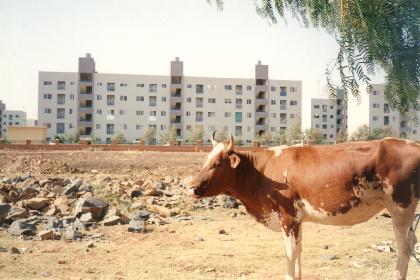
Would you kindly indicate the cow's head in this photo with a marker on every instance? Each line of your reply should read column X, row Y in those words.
column 218, row 174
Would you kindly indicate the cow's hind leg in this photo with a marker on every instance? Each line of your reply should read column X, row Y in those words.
column 293, row 243
column 404, row 236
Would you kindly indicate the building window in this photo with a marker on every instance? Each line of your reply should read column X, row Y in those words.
column 163, row 113
column 249, row 115
column 72, row 96
column 139, row 98
column 152, row 113
column 123, row 112
column 188, row 127
column 238, row 103
column 375, row 92
column 139, row 113
column 211, row 100
column 324, row 118
column 273, row 88
column 228, row 101
column 152, row 101
column 273, row 115
column 283, row 91
column 198, row 116
column 60, row 114
column 283, row 104
column 189, row 99
column 375, row 118
column 99, row 111
column 199, row 102
column 98, row 126
column 228, row 87
column 324, row 126
column 47, row 110
column 152, row 87
column 316, row 106
column 211, row 114
column 60, row 128
column 386, row 108
column 386, row 120
column 137, row 127
column 71, row 125
column 248, row 101
column 238, row 131
column 61, row 99
column 292, row 89
column 125, row 127
column 110, row 128
column 123, row 98
column 189, row 86
column 238, row 116
column 228, row 114
column 47, row 83
column 110, row 86
column 331, row 116
column 273, row 102
column 188, row 113
column 293, row 102
column 163, row 85
column 163, row 99
column 98, row 97
column 248, row 88
column 123, row 84
column 199, row 89
column 47, row 96
column 375, row 105
column 273, row 129
column 317, row 126
column 110, row 112
column 61, row 85
column 283, row 118
column 110, row 100
column 316, row 116
column 238, row 89
column 140, row 85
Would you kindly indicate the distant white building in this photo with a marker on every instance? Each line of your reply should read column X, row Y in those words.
column 381, row 115
column 2, row 109
column 102, row 105
column 12, row 118
column 329, row 116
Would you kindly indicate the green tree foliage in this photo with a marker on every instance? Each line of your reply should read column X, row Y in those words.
column 364, row 133
column 384, row 33
column 341, row 136
column 281, row 137
column 196, row 134
column 361, row 134
column 120, row 137
column 148, row 135
column 264, row 138
column 221, row 135
column 314, row 134
column 168, row 135
column 294, row 133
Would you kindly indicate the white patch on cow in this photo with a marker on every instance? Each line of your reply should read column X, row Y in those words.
column 387, row 187
column 285, row 176
column 309, row 210
column 216, row 150
column 278, row 150
column 272, row 221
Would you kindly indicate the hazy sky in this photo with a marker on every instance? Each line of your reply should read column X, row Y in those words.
column 141, row 37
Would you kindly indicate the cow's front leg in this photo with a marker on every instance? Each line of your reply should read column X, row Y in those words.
column 293, row 243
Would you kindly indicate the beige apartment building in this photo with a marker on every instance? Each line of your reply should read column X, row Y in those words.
column 329, row 116
column 381, row 115
column 103, row 105
column 12, row 118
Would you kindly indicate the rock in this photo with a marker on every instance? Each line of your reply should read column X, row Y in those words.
column 150, row 192
column 16, row 213
column 78, row 225
column 51, row 211
column 96, row 206
column 111, row 221
column 3, row 249
column 36, row 203
column 113, row 212
column 133, row 192
column 46, row 234
column 329, row 257
column 199, row 238
column 72, row 187
column 72, row 234
column 136, row 226
column 142, row 215
column 87, row 218
column 28, row 192
column 4, row 211
column 163, row 211
column 124, row 219
column 26, row 251
column 27, row 183
column 20, row 226
column 14, row 250
column 90, row 245
column 230, row 202
column 61, row 201
column 222, row 231
column 55, row 223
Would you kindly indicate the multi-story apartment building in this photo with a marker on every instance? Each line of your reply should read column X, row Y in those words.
column 2, row 109
column 102, row 105
column 381, row 115
column 12, row 118
column 329, row 116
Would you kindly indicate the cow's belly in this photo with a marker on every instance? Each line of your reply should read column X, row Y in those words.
column 356, row 214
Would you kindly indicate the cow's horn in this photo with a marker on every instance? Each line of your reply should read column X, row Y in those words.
column 231, row 143
column 214, row 142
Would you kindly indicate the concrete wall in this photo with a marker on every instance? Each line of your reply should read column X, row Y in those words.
column 23, row 133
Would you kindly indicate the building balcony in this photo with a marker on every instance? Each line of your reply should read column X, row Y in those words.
column 260, row 101
column 177, row 125
column 260, row 127
column 176, row 86
column 176, row 112
column 259, row 88
column 85, row 122
column 405, row 129
column 86, row 109
column 260, row 114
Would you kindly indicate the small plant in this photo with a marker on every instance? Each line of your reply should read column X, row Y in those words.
column 120, row 137
column 148, row 135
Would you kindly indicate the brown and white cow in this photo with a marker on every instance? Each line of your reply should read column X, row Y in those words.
column 342, row 184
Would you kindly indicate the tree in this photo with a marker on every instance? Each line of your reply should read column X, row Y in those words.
column 221, row 135
column 148, row 135
column 119, row 137
column 294, row 133
column 281, row 136
column 264, row 138
column 362, row 133
column 380, row 133
column 196, row 134
column 60, row 139
column 384, row 33
column 342, row 135
column 168, row 135
column 314, row 134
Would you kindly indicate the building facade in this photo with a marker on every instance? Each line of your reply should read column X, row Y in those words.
column 329, row 116
column 12, row 118
column 102, row 105
column 2, row 109
column 381, row 115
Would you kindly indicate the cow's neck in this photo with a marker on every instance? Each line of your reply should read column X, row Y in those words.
column 250, row 178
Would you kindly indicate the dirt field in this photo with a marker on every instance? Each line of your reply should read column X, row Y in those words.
column 191, row 249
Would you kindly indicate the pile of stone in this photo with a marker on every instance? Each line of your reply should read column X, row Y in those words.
column 63, row 208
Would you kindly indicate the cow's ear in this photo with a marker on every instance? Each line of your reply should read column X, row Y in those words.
column 234, row 160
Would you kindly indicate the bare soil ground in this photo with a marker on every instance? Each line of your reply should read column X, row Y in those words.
column 186, row 249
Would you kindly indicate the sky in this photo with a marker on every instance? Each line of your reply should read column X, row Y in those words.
column 141, row 37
